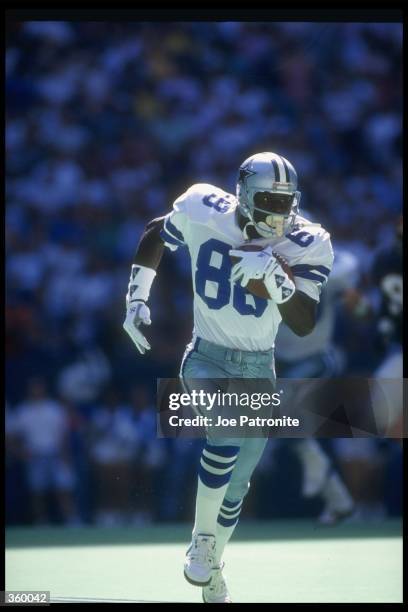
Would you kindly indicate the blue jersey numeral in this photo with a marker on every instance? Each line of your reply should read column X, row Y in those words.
column 300, row 237
column 219, row 275
column 240, row 302
column 214, row 201
column 206, row 272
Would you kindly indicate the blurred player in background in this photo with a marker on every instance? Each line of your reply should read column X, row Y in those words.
column 387, row 274
column 234, row 329
column 364, row 464
column 316, row 356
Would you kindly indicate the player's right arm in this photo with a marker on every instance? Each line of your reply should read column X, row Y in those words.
column 144, row 268
column 168, row 230
column 150, row 248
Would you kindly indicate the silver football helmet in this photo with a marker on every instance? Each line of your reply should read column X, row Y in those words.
column 267, row 194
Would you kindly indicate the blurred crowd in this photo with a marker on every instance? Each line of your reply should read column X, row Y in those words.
column 106, row 124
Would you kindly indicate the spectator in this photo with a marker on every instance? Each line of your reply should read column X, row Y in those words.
column 42, row 427
column 150, row 460
column 113, row 443
column 106, row 124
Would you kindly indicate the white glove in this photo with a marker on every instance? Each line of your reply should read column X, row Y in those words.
column 251, row 265
column 263, row 265
column 278, row 283
column 137, row 313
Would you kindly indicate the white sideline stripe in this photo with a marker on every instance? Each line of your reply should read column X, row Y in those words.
column 217, row 471
column 100, row 600
column 218, row 457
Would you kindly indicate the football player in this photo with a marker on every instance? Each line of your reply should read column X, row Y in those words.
column 366, row 462
column 234, row 329
column 387, row 273
column 316, row 357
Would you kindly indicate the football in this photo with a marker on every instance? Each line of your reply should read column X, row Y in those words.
column 256, row 286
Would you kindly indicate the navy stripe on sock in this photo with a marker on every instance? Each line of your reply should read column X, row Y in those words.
column 230, row 504
column 214, row 481
column 227, row 522
column 222, row 451
column 230, row 512
column 217, row 464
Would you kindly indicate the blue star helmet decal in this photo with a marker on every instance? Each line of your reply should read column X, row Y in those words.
column 244, row 172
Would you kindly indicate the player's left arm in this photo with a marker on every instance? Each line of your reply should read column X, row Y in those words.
column 306, row 280
column 296, row 300
column 299, row 313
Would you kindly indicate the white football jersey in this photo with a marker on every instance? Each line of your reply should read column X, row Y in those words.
column 290, row 347
column 204, row 220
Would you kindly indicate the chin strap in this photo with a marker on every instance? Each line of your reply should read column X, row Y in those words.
column 257, row 230
column 248, row 226
column 249, row 229
column 253, row 231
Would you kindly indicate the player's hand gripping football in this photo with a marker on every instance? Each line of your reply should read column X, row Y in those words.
column 263, row 266
column 251, row 264
column 137, row 311
column 279, row 279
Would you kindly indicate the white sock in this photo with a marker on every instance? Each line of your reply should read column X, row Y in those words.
column 227, row 521
column 216, row 465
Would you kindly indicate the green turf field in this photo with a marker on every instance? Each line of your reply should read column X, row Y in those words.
column 266, row 562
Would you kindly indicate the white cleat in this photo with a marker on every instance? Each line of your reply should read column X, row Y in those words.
column 200, row 560
column 339, row 503
column 216, row 591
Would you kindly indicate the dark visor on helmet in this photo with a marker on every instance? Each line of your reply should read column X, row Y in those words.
column 275, row 203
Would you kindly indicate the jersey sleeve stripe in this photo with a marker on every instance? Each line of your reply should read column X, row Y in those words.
column 311, row 276
column 310, row 268
column 172, row 230
column 168, row 238
column 322, row 269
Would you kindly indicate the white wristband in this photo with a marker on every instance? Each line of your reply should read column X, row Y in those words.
column 279, row 285
column 141, row 279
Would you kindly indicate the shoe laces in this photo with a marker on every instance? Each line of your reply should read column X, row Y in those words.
column 202, row 550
